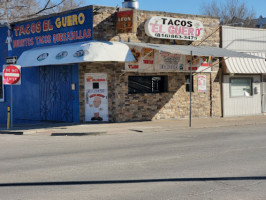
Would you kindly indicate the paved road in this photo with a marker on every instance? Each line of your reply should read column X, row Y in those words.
column 208, row 163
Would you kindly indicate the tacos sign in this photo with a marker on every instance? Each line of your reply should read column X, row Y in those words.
column 174, row 28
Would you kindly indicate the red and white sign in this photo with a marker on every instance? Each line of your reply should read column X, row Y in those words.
column 12, row 75
column 96, row 97
column 202, row 83
column 174, row 28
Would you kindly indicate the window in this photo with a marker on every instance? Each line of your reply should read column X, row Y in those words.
column 95, row 85
column 241, row 87
column 188, row 83
column 1, row 88
column 147, row 84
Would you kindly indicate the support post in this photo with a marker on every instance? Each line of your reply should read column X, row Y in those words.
column 190, row 89
column 8, row 118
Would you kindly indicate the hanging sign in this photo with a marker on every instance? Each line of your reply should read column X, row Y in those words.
column 174, row 28
column 12, row 75
column 202, row 86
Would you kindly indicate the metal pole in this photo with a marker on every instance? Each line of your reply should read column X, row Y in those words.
column 190, row 88
column 11, row 107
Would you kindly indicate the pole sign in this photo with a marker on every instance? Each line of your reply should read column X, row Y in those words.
column 12, row 75
column 11, row 60
column 174, row 28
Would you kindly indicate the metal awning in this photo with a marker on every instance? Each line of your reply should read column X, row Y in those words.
column 196, row 50
column 246, row 65
column 92, row 51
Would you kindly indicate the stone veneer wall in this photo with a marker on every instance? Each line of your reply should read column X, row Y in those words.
column 136, row 107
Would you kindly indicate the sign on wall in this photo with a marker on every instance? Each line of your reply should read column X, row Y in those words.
column 61, row 29
column 174, row 28
column 96, row 97
column 125, row 21
column 144, row 60
column 202, row 83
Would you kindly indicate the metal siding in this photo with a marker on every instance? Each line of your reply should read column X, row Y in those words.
column 243, row 39
column 240, row 106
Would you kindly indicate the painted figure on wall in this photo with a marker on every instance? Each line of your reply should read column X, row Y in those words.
column 9, row 43
column 96, row 108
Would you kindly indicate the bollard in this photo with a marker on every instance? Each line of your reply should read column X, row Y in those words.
column 8, row 118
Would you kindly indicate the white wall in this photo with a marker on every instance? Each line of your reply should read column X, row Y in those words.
column 240, row 106
column 244, row 39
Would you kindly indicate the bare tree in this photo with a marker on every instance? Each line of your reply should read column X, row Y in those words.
column 233, row 12
column 15, row 10
column 69, row 4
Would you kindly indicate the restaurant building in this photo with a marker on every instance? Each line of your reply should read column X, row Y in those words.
column 106, row 64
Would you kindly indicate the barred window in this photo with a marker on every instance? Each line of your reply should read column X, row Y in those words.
column 147, row 84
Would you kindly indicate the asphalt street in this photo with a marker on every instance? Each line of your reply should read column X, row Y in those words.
column 194, row 164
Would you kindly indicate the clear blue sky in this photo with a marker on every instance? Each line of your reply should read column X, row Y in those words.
column 178, row 6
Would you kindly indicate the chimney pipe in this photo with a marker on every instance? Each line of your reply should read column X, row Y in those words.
column 133, row 4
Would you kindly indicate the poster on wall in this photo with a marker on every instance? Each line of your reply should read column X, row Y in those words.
column 96, row 97
column 202, row 85
column 144, row 60
column 168, row 62
column 150, row 60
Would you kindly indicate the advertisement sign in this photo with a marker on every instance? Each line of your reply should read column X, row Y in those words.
column 168, row 62
column 202, row 85
column 72, row 27
column 150, row 60
column 144, row 60
column 12, row 75
column 124, row 22
column 96, row 97
column 174, row 28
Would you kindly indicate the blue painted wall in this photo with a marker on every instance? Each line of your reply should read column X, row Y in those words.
column 26, row 97
column 3, row 55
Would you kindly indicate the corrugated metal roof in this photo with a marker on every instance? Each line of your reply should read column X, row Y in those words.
column 196, row 50
column 247, row 65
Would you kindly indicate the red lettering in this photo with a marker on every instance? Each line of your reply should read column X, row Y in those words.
column 16, row 28
column 51, row 27
column 45, row 25
column 191, row 31
column 33, row 28
column 184, row 31
column 38, row 27
column 21, row 30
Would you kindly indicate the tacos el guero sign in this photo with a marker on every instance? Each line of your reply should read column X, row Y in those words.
column 174, row 28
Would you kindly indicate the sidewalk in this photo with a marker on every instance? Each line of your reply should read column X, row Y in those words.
column 147, row 126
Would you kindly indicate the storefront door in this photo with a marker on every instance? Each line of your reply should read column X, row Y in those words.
column 264, row 94
column 56, row 94
column 96, row 97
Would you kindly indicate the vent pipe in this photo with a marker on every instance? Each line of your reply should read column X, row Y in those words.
column 133, row 4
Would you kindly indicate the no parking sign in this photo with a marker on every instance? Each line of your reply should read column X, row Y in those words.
column 12, row 75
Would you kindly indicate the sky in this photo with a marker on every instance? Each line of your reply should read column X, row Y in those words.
column 178, row 6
